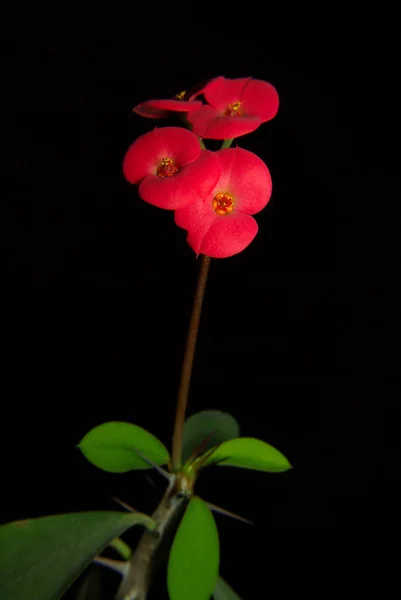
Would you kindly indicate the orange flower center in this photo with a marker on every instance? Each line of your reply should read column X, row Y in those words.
column 167, row 168
column 233, row 110
column 223, row 204
column 180, row 95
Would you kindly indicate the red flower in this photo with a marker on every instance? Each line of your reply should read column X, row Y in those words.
column 182, row 102
column 236, row 107
column 219, row 223
column 170, row 167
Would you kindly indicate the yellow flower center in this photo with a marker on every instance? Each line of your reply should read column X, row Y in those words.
column 233, row 110
column 167, row 168
column 223, row 204
column 180, row 95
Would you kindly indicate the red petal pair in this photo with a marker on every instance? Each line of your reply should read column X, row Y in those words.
column 213, row 193
column 235, row 107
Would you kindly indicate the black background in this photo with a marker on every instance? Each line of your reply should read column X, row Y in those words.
column 299, row 333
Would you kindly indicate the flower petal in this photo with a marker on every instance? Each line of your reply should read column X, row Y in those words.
column 193, row 181
column 259, row 98
column 246, row 177
column 173, row 105
column 196, row 218
column 208, row 122
column 214, row 235
column 144, row 110
column 222, row 92
column 228, row 235
column 144, row 155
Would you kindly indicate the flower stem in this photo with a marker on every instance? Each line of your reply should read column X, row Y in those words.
column 226, row 143
column 188, row 362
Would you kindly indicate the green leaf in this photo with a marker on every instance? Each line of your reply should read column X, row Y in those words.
column 223, row 591
column 250, row 453
column 194, row 557
column 113, row 447
column 222, row 426
column 40, row 558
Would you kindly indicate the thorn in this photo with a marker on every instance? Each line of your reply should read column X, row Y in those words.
column 208, row 454
column 154, row 465
column 121, row 566
column 152, row 483
column 228, row 513
column 124, row 505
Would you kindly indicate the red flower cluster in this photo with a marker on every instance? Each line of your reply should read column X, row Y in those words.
column 235, row 107
column 213, row 194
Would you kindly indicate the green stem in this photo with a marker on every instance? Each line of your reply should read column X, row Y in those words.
column 122, row 548
column 187, row 363
column 226, row 144
column 137, row 577
column 189, row 126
